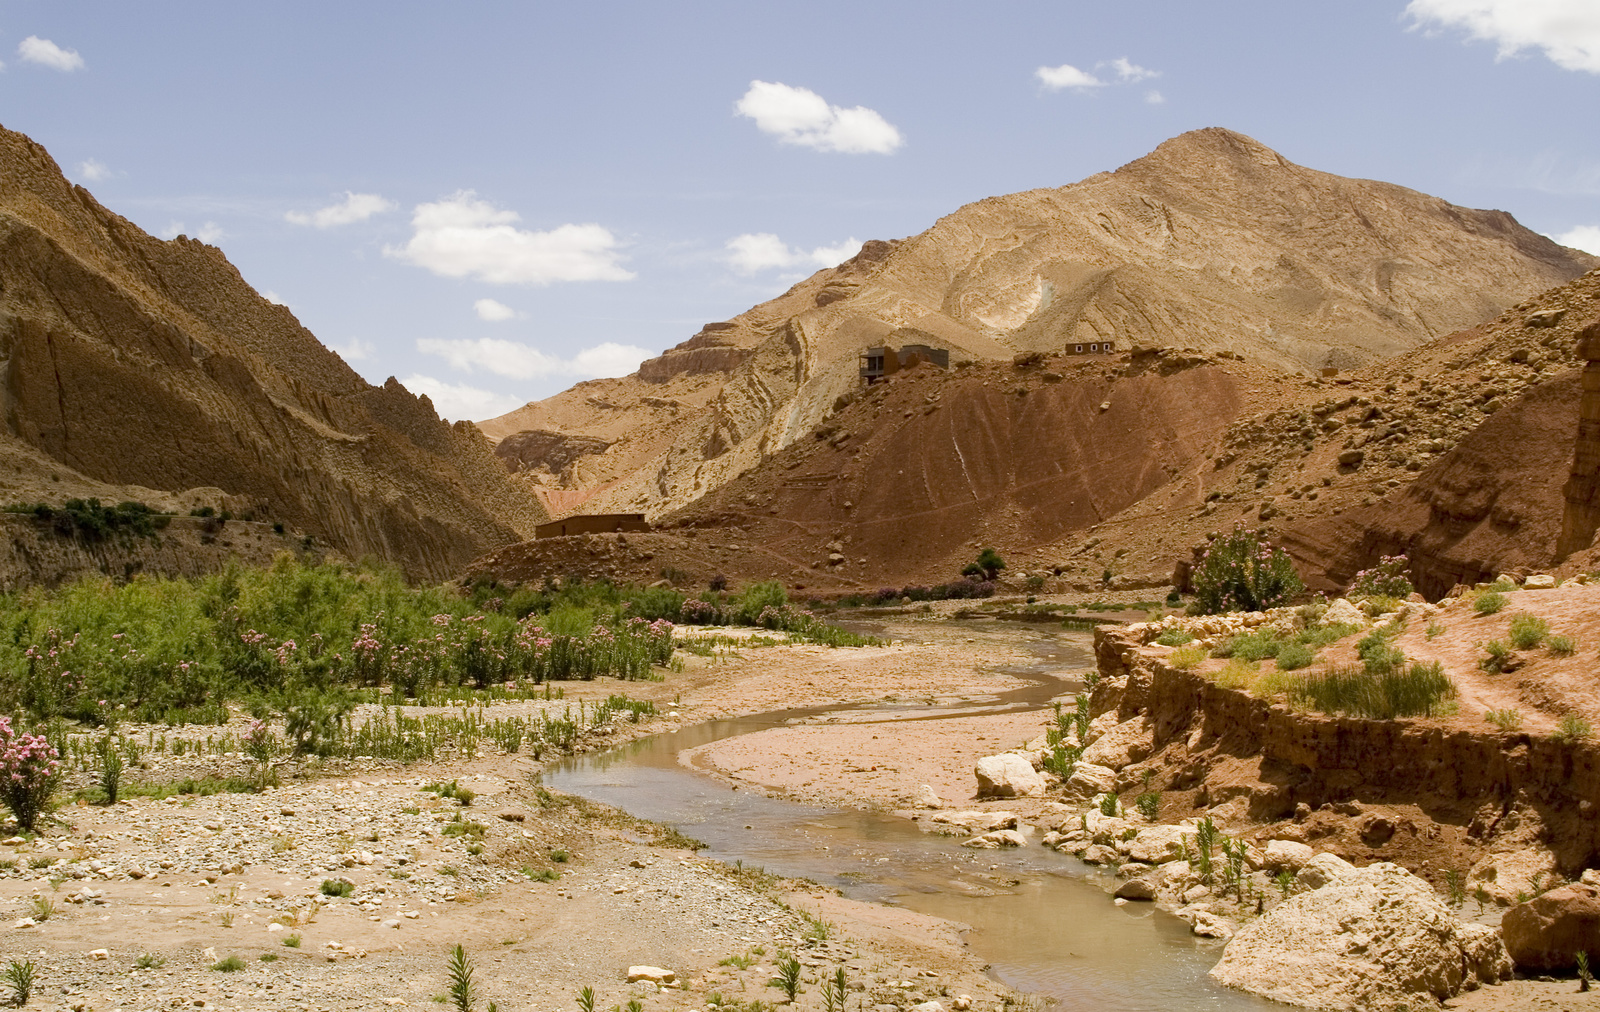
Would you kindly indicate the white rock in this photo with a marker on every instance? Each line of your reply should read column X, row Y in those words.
column 1321, row 870
column 99, row 953
column 1539, row 581
column 1155, row 844
column 1121, row 744
column 928, row 1006
column 926, row 798
column 1286, row 855
column 1343, row 612
column 653, row 974
column 1088, row 780
column 996, row 840
column 1008, row 775
column 1374, row 937
column 977, row 820
column 26, row 922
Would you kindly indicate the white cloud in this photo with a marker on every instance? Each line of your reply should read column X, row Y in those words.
column 355, row 207
column 455, row 401
column 514, row 360
column 356, row 351
column 801, row 116
column 1067, row 76
column 1568, row 31
column 172, row 231
column 462, row 236
column 47, row 54
column 494, row 312
column 1584, row 237
column 1154, row 97
column 93, row 170
column 763, row 251
column 273, row 297
column 1131, row 73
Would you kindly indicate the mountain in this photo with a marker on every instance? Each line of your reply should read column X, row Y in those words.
column 1213, row 242
column 136, row 368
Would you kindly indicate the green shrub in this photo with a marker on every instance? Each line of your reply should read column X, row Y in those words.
column 1175, row 638
column 1562, row 646
column 1507, row 720
column 1294, row 656
column 1255, row 646
column 1573, row 729
column 1528, row 631
column 1236, row 674
column 1186, row 658
column 1377, row 654
column 336, row 887
column 231, row 964
column 1240, row 572
column 1417, row 690
column 1489, row 602
column 1149, row 804
column 1498, row 654
column 1386, row 579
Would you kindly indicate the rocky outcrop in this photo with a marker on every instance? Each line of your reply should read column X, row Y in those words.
column 540, row 448
column 1374, row 937
column 1581, row 516
column 139, row 364
column 1548, row 931
column 1273, row 762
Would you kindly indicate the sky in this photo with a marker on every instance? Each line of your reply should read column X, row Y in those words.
column 492, row 202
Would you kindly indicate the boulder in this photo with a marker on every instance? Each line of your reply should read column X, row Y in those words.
column 1099, row 854
column 977, row 820
column 1503, row 876
column 653, row 974
column 1088, row 780
column 1344, row 613
column 1137, row 888
column 1156, row 844
column 997, row 840
column 1286, row 855
column 1547, row 932
column 1539, row 581
column 1121, row 744
column 1374, row 937
column 926, row 798
column 1321, row 870
column 1008, row 775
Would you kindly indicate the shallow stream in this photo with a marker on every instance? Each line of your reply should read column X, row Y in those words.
column 1034, row 915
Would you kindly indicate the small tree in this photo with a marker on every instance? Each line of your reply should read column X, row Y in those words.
column 987, row 567
column 29, row 768
column 1241, row 572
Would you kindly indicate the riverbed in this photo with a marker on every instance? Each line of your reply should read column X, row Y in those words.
column 1042, row 921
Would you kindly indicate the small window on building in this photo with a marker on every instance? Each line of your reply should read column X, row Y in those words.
column 1080, row 349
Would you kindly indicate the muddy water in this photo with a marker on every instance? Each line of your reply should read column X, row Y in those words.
column 1038, row 917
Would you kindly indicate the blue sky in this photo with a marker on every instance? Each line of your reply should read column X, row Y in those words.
column 493, row 201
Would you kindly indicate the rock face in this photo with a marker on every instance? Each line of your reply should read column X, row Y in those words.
column 1374, row 937
column 1243, row 250
column 1548, row 931
column 152, row 368
column 1008, row 775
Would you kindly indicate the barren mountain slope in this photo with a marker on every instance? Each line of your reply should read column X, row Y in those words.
column 1461, row 449
column 1212, row 242
column 152, row 367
